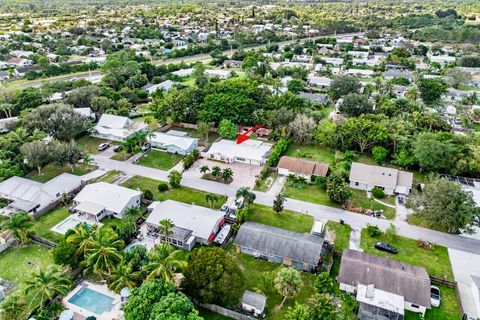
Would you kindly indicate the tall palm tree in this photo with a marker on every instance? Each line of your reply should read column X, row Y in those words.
column 133, row 212
column 46, row 285
column 13, row 307
column 247, row 195
column 288, row 282
column 104, row 252
column 165, row 228
column 211, row 198
column 164, row 262
column 123, row 276
column 18, row 224
column 82, row 238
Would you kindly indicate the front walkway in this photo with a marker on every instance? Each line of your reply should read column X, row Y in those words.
column 354, row 243
column 277, row 185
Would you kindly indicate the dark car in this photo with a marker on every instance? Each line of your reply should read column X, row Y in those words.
column 385, row 247
column 117, row 148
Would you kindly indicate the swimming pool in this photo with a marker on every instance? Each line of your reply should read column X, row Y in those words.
column 67, row 224
column 92, row 301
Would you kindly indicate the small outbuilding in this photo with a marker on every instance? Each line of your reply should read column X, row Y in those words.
column 253, row 303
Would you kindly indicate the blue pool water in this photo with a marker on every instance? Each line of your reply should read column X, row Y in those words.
column 92, row 301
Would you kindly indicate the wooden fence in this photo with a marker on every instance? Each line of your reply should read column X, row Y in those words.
column 227, row 312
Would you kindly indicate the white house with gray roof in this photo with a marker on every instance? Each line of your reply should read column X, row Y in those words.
column 173, row 143
column 391, row 180
column 116, row 128
column 254, row 152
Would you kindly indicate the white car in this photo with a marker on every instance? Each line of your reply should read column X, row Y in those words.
column 103, row 146
column 222, row 235
column 435, row 296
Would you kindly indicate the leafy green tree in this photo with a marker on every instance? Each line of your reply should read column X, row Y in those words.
column 45, row 286
column 123, row 276
column 278, row 203
column 337, row 189
column 325, row 307
column 165, row 260
column 174, row 178
column 302, row 129
column 435, row 153
column 431, row 89
column 299, row 312
column 28, row 98
column 295, row 85
column 203, row 130
column 65, row 153
column 64, row 253
column 453, row 213
column 36, row 154
column 456, row 77
column 343, row 85
column 174, row 306
column 324, row 283
column 288, row 283
column 83, row 96
column 355, row 104
column 227, row 129
column 19, row 224
column 379, row 154
column 212, row 276
column 14, row 307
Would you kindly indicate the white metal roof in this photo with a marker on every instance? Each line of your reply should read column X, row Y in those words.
column 381, row 299
column 200, row 220
column 164, row 139
column 250, row 149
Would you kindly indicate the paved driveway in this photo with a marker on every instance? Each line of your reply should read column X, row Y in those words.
column 244, row 175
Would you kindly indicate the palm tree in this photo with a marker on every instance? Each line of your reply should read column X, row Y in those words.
column 46, row 285
column 227, row 174
column 87, row 159
column 104, row 252
column 204, row 169
column 247, row 195
column 164, row 262
column 82, row 238
column 165, row 228
column 288, row 283
column 211, row 198
column 18, row 224
column 216, row 171
column 123, row 276
column 133, row 212
column 13, row 308
column 7, row 109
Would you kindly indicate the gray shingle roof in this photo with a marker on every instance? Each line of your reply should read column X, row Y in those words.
column 253, row 299
column 279, row 242
column 411, row 282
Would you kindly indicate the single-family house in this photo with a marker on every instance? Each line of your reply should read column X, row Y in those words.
column 166, row 85
column 231, row 64
column 391, row 180
column 4, row 75
column 410, row 282
column 35, row 197
column 173, row 143
column 116, row 128
column 392, row 74
column 252, row 152
column 319, row 82
column 361, row 72
column 376, row 304
column 99, row 200
column 443, row 59
column 222, row 74
column 253, row 303
column 183, row 72
column 319, row 98
column 86, row 112
column 301, row 167
column 297, row 250
column 192, row 224
column 22, row 71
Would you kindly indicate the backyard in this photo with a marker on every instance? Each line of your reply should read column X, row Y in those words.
column 18, row 263
column 42, row 225
column 50, row 171
column 286, row 219
column 435, row 261
column 212, row 136
column 159, row 160
column 182, row 194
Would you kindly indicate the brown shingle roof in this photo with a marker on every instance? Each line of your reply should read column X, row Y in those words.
column 301, row 166
column 411, row 282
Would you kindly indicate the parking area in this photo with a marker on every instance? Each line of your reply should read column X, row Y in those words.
column 243, row 174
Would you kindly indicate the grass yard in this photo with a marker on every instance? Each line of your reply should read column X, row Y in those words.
column 159, row 160
column 436, row 261
column 288, row 220
column 311, row 193
column 182, row 194
column 18, row 263
column 210, row 315
column 448, row 309
column 50, row 171
column 341, row 233
column 90, row 144
column 109, row 177
column 42, row 225
column 212, row 136
column 265, row 184
column 311, row 152
column 360, row 199
column 121, row 155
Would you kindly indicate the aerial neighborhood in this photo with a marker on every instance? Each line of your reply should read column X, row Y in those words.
column 297, row 160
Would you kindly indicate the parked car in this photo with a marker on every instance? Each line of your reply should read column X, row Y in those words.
column 435, row 296
column 117, row 148
column 223, row 234
column 103, row 146
column 146, row 147
column 382, row 246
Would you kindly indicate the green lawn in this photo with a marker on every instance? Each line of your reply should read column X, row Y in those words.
column 90, row 144
column 265, row 184
column 361, row 200
column 18, row 263
column 159, row 160
column 288, row 220
column 311, row 193
column 210, row 315
column 212, row 136
column 311, row 152
column 42, row 225
column 109, row 177
column 341, row 233
column 448, row 309
column 121, row 155
column 436, row 261
column 50, row 171
column 182, row 194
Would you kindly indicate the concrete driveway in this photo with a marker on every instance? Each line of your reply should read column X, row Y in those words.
column 465, row 265
column 244, row 175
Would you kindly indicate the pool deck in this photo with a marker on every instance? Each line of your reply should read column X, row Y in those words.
column 80, row 313
column 57, row 228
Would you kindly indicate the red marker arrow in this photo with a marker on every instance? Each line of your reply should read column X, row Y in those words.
column 242, row 137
